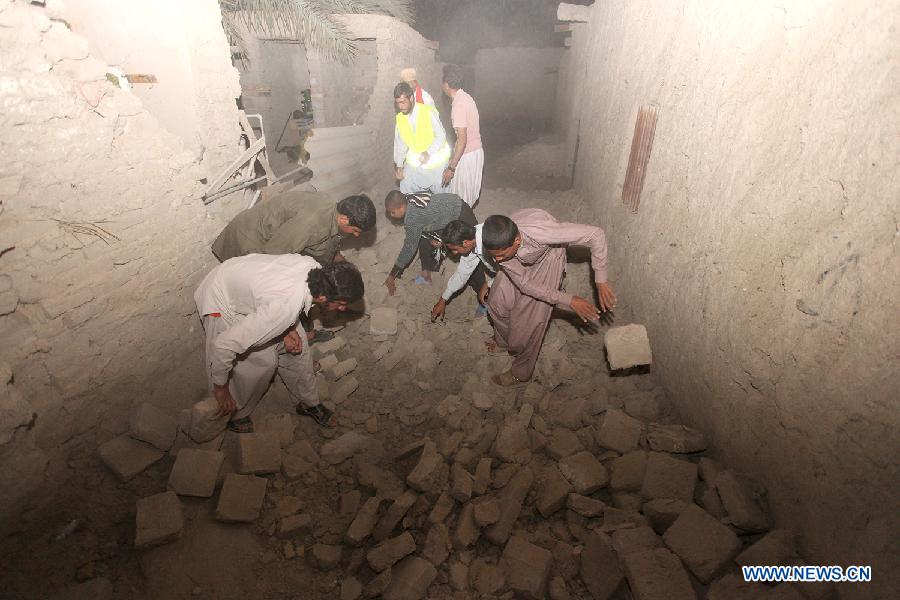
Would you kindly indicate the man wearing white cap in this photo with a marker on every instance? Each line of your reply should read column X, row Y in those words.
column 409, row 76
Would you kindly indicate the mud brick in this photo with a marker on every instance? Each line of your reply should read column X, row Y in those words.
column 584, row 472
column 159, row 520
column 774, row 548
column 668, row 477
column 392, row 517
column 293, row 524
column 657, row 574
column 526, row 567
column 461, row 483
column 627, row 346
column 486, row 511
column 411, row 579
column 390, row 551
column 325, row 556
column 437, row 545
column 345, row 367
column 259, row 453
column 585, row 506
column 466, row 532
column 442, row 508
column 599, row 569
column 739, row 503
column 555, row 490
column 381, row 481
column 281, row 424
column 676, row 439
column 430, row 474
column 702, row 542
column 195, row 472
column 662, row 512
column 511, row 499
column 617, row 431
column 126, row 456
column 329, row 347
column 562, row 443
column 383, row 321
column 344, row 389
column 241, row 498
column 627, row 471
column 636, row 539
column 150, row 424
column 364, row 522
column 482, row 477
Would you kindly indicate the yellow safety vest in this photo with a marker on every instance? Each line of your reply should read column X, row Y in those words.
column 420, row 140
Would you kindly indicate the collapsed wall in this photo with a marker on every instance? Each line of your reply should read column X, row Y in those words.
column 763, row 257
column 104, row 237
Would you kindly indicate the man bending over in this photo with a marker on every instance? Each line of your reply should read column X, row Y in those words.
column 530, row 246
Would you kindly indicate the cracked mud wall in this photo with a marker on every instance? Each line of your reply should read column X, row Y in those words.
column 764, row 256
column 94, row 323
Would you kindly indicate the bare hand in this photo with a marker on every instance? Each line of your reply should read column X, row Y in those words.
column 607, row 297
column 222, row 394
column 338, row 257
column 423, row 158
column 438, row 310
column 447, row 177
column 293, row 342
column 398, row 173
column 483, row 293
column 391, row 284
column 584, row 309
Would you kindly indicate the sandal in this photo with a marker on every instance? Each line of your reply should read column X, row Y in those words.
column 320, row 335
column 507, row 380
column 244, row 425
column 419, row 280
column 319, row 413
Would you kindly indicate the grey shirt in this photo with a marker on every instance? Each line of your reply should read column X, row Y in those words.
column 441, row 209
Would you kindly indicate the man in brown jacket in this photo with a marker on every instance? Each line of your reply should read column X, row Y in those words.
column 296, row 222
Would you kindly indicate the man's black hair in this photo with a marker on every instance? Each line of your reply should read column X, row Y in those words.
column 456, row 232
column 359, row 210
column 394, row 199
column 403, row 89
column 499, row 232
column 453, row 76
column 337, row 281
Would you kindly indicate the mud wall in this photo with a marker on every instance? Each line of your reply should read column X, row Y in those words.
column 516, row 83
column 763, row 258
column 103, row 235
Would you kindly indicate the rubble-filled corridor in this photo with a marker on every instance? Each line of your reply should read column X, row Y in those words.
column 741, row 161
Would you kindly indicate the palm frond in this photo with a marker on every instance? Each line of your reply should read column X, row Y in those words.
column 399, row 9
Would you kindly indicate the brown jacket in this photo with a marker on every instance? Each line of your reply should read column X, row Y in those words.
column 293, row 222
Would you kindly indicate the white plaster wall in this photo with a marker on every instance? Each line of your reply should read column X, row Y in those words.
column 92, row 328
column 764, row 257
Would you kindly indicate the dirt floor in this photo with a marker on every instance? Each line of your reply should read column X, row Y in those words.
column 419, row 383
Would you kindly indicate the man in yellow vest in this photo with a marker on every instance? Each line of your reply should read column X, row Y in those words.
column 421, row 151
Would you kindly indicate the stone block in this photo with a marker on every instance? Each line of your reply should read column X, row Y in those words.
column 364, row 522
column 437, row 545
column 617, row 431
column 775, row 548
column 643, row 406
column 388, row 552
column 195, row 472
column 526, row 568
column 486, row 511
column 206, row 423
column 743, row 510
column 293, row 525
column 562, row 443
column 345, row 367
column 466, row 532
column 511, row 499
column 383, row 321
column 482, row 477
column 702, row 542
column 325, row 556
column 585, row 506
column 241, row 498
column 461, row 483
column 599, row 567
column 259, row 453
column 662, row 512
column 430, row 473
column 150, row 424
column 281, row 424
column 627, row 346
column 584, row 472
column 554, row 490
column 381, row 481
column 442, row 508
column 668, row 477
column 348, row 445
column 676, row 439
column 159, row 520
column 394, row 514
column 657, row 574
column 636, row 539
column 126, row 456
column 411, row 579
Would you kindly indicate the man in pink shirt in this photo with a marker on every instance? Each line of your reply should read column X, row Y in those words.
column 463, row 173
